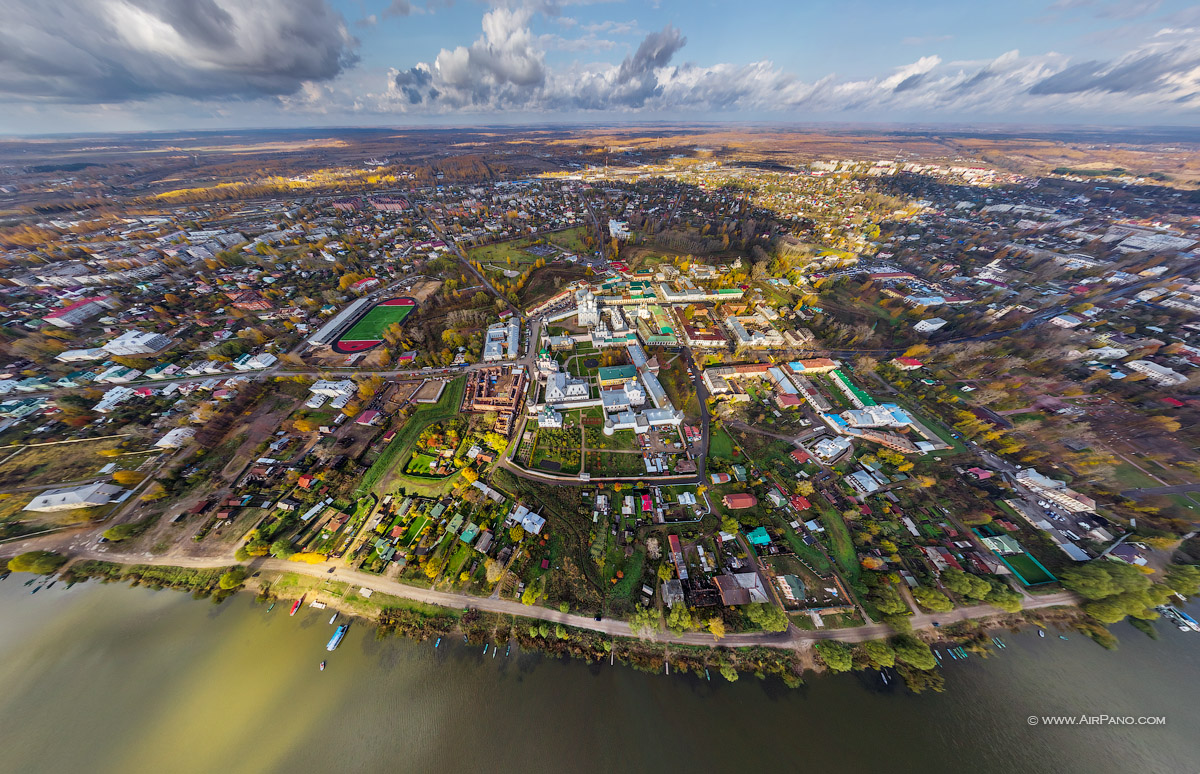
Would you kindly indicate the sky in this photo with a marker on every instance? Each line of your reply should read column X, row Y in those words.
column 78, row 66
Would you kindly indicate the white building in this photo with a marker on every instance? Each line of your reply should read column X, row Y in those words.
column 113, row 398
column 546, row 365
column 623, row 398
column 618, row 229
column 641, row 423
column 86, row 496
column 759, row 335
column 587, row 308
column 561, row 388
column 501, row 341
column 529, row 521
column 133, row 343
column 1157, row 373
column 76, row 355
column 928, row 326
column 1066, row 321
column 877, row 416
column 1054, row 490
column 334, row 389
column 548, row 417
column 829, row 448
column 176, row 438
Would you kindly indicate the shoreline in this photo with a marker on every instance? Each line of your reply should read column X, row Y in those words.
column 663, row 653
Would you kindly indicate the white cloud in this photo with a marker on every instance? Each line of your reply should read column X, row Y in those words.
column 505, row 70
column 123, row 50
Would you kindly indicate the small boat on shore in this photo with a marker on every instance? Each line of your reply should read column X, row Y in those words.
column 296, row 605
column 485, row 647
column 1062, row 636
column 1041, row 633
column 271, row 607
column 332, row 619
column 322, row 666
column 508, row 650
column 439, row 642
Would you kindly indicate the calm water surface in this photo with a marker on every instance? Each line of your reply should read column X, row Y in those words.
column 113, row 679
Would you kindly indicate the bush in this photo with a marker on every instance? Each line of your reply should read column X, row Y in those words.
column 835, row 655
column 121, row 532
column 37, row 562
column 233, row 577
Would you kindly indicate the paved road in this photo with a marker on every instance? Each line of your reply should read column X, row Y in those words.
column 790, row 639
column 1135, row 494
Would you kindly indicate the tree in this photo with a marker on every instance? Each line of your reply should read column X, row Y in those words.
column 470, row 475
column 121, row 532
column 805, row 488
column 767, row 617
column 1166, row 424
column 664, row 571
column 1183, row 579
column 889, row 602
column 1097, row 580
column 965, row 585
column 716, row 625
column 517, row 533
column 1003, row 597
column 530, row 596
column 155, row 491
column 127, row 477
column 932, row 599
column 728, row 672
column 37, row 562
column 914, row 652
column 282, row 548
column 257, row 547
column 880, row 653
column 835, row 655
column 921, row 680
column 679, row 619
column 644, row 621
column 494, row 570
column 233, row 577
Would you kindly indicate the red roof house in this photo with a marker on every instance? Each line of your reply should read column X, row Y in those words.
column 739, row 501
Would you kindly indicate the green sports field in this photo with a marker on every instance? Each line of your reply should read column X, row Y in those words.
column 374, row 322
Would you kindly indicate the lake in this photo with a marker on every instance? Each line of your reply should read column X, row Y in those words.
column 106, row 678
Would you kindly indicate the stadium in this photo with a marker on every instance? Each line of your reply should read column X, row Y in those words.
column 367, row 331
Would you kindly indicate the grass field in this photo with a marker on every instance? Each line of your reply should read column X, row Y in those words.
column 720, row 445
column 372, row 325
column 425, row 415
column 1028, row 569
column 603, row 464
column 51, row 464
column 838, row 535
column 419, row 464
